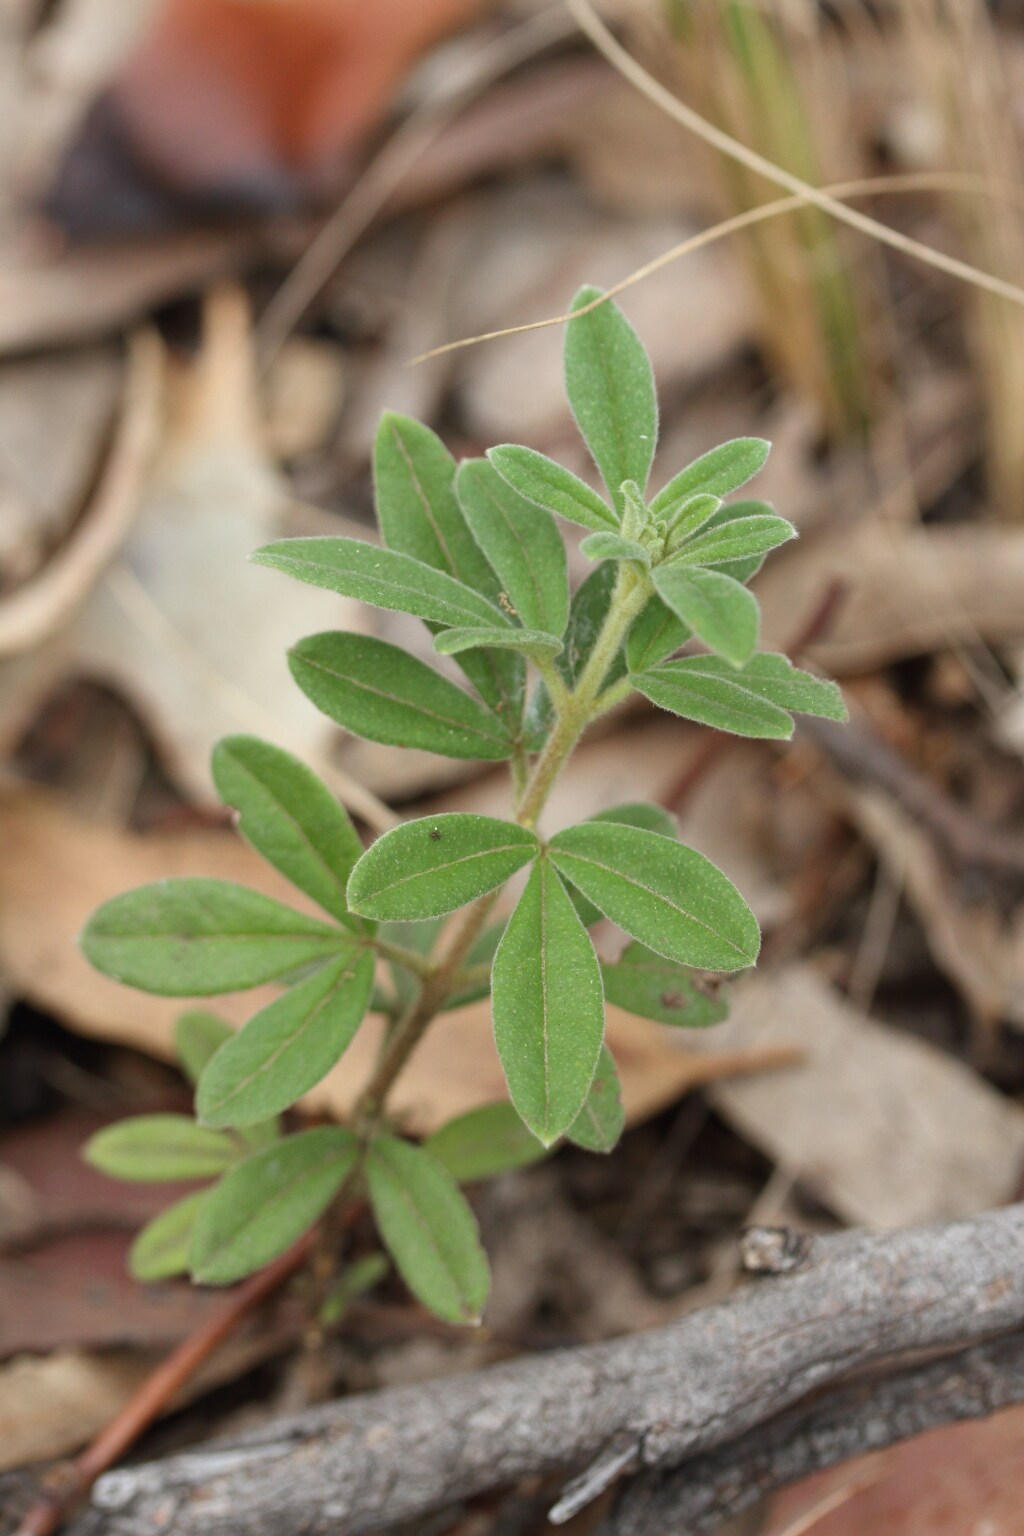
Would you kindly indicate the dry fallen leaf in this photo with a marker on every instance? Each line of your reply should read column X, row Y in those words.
column 885, row 1130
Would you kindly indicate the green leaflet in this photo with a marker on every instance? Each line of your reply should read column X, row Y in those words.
column 668, row 896
column 611, row 546
column 197, row 1034
column 741, row 538
column 654, row 635
column 547, row 484
column 638, row 813
column 428, row 867
column 587, row 613
column 290, row 817
column 649, row 985
column 156, row 1149
column 192, row 938
column 749, row 701
column 264, row 1205
column 161, row 1249
column 690, row 516
column 288, row 1047
column 602, row 1119
column 531, row 642
column 419, row 515
column 548, row 1006
column 483, row 1143
column 610, row 386
column 521, row 542
column 380, row 692
column 717, row 473
column 428, row 1229
column 717, row 608
column 382, row 577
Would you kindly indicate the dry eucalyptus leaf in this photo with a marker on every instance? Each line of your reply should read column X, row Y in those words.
column 885, row 1130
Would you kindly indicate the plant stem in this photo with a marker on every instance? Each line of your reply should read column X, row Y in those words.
column 409, row 959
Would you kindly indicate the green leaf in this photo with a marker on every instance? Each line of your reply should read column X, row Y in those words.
column 161, row 1249
column 156, row 1149
column 602, row 1119
column 717, row 473
column 197, row 1035
column 417, row 508
column 668, row 896
column 431, row 866
column 428, row 1229
column 522, row 544
column 639, row 813
column 419, row 515
column 741, row 570
column 654, row 635
column 289, row 1046
column 263, row 1206
column 192, row 938
column 290, row 817
column 649, row 985
column 610, row 385
column 723, row 613
column 547, row 484
column 380, row 692
column 751, row 701
column 611, row 546
column 361, row 1276
column 483, row 1143
column 693, row 514
column 531, row 642
column 740, row 538
column 548, row 1006
column 382, row 577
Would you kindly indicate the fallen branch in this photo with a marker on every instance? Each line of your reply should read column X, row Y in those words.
column 650, row 1401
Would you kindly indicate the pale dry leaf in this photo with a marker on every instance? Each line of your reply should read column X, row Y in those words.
column 980, row 950
column 884, row 1129
column 57, row 869
column 191, row 632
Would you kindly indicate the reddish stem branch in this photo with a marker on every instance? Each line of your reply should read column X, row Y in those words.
column 157, row 1392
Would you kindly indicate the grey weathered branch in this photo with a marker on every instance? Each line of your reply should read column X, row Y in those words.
column 846, row 1422
column 855, row 1302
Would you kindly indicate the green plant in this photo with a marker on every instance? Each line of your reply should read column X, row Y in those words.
column 475, row 552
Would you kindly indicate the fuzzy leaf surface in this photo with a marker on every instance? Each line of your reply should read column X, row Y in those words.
column 741, row 538
column 547, row 484
column 161, row 1249
column 716, row 607
column 530, row 642
column 381, row 577
column 636, row 813
column 428, row 1229
column 717, row 473
column 601, row 1121
column 484, row 1143
column 419, row 515
column 265, row 1204
column 289, row 1046
column 290, row 817
column 649, row 985
column 668, row 896
column 156, row 1149
column 610, row 385
column 548, row 1006
column 521, row 542
column 655, row 634
column 195, row 938
column 612, row 546
column 427, row 867
column 750, row 701
column 381, row 692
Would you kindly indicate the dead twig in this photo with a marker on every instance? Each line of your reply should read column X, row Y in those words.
column 857, row 1302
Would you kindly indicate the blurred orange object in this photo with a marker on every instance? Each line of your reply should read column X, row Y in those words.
column 229, row 105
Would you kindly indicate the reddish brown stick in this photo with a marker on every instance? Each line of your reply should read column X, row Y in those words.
column 157, row 1391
